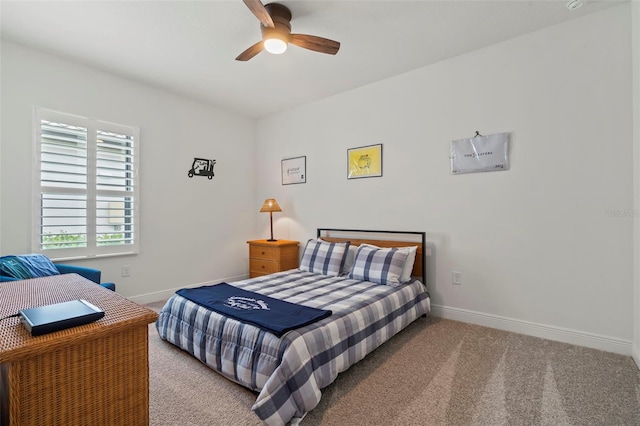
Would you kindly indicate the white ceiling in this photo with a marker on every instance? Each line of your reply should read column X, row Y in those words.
column 189, row 47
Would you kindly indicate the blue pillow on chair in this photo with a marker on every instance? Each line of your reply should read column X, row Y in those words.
column 27, row 266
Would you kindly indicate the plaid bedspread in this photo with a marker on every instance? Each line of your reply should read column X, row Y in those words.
column 288, row 372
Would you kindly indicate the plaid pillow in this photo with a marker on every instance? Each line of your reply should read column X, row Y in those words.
column 407, row 269
column 323, row 257
column 380, row 266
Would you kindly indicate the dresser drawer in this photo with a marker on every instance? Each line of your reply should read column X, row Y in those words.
column 262, row 252
column 263, row 266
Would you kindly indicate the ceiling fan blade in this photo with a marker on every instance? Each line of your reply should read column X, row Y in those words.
column 257, row 8
column 318, row 44
column 251, row 52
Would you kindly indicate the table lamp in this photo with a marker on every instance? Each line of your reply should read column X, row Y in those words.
column 270, row 205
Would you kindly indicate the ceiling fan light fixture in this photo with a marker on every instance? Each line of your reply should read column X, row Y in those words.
column 275, row 25
column 275, row 45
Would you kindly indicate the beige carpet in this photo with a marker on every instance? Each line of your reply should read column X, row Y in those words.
column 435, row 372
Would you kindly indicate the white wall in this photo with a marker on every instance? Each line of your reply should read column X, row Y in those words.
column 636, row 178
column 538, row 249
column 192, row 230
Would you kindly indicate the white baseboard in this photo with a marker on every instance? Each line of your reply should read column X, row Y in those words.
column 635, row 354
column 165, row 294
column 574, row 337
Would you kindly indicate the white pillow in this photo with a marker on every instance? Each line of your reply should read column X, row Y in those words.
column 349, row 259
column 407, row 269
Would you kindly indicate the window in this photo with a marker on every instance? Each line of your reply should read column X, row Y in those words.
column 85, row 186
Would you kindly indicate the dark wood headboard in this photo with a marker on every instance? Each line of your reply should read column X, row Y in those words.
column 400, row 239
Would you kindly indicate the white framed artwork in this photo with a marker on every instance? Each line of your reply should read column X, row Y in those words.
column 480, row 154
column 294, row 170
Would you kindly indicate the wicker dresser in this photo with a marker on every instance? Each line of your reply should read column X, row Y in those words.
column 94, row 374
column 267, row 257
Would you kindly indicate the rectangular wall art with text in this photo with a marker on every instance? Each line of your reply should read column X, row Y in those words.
column 480, row 154
column 294, row 170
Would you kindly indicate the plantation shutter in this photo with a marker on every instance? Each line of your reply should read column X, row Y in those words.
column 115, row 188
column 87, row 172
column 63, row 178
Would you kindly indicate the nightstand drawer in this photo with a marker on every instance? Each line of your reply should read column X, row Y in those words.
column 263, row 266
column 262, row 252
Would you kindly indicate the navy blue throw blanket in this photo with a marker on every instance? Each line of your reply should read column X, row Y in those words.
column 276, row 316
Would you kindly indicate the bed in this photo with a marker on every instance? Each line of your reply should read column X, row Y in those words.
column 372, row 286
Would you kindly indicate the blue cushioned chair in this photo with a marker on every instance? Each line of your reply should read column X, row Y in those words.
column 91, row 274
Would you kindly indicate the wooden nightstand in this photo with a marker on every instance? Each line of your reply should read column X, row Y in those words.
column 267, row 257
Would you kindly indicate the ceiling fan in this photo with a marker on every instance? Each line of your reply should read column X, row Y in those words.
column 276, row 32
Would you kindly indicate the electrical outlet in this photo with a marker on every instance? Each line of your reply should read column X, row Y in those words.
column 456, row 277
column 126, row 270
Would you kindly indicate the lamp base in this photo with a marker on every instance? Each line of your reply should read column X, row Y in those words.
column 272, row 240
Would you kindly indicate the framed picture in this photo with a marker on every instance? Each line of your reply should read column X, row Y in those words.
column 364, row 161
column 480, row 154
column 294, row 170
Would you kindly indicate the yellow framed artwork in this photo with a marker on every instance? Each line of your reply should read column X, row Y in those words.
column 364, row 161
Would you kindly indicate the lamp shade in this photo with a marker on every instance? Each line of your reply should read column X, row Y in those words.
column 270, row 205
